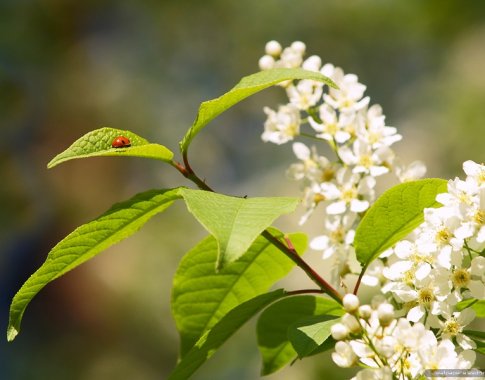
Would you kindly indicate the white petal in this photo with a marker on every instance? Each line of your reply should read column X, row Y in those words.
column 423, row 271
column 347, row 156
column 404, row 249
column 415, row 314
column 466, row 359
column 302, row 152
column 370, row 280
column 477, row 288
column 376, row 171
column 336, row 208
column 319, row 243
column 358, row 206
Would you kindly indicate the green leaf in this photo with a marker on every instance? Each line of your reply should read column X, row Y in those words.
column 274, row 324
column 308, row 335
column 477, row 306
column 394, row 215
column 119, row 222
column 98, row 143
column 248, row 86
column 479, row 338
column 480, row 335
column 223, row 330
column 201, row 296
column 235, row 222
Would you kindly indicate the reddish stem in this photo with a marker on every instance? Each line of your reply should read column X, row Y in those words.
column 289, row 250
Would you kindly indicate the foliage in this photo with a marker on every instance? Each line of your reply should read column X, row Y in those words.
column 226, row 279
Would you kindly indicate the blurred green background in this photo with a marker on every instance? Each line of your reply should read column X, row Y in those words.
column 67, row 67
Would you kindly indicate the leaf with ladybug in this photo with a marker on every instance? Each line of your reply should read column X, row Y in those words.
column 112, row 142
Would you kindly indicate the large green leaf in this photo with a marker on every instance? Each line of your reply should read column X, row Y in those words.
column 235, row 222
column 223, row 330
column 308, row 336
column 119, row 222
column 98, row 143
column 394, row 215
column 275, row 322
column 246, row 87
column 201, row 296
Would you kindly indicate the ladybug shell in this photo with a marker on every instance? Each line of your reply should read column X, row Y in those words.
column 121, row 142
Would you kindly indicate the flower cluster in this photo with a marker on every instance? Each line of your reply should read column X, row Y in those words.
column 428, row 281
column 357, row 134
column 390, row 347
column 442, row 262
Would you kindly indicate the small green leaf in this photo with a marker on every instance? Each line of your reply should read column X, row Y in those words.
column 308, row 335
column 119, row 222
column 246, row 87
column 274, row 324
column 201, row 296
column 394, row 215
column 235, row 222
column 480, row 335
column 479, row 338
column 98, row 143
column 477, row 306
column 223, row 330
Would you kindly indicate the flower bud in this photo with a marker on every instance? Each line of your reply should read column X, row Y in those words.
column 273, row 48
column 365, row 312
column 339, row 331
column 385, row 313
column 351, row 323
column 299, row 46
column 386, row 346
column 351, row 303
column 266, row 62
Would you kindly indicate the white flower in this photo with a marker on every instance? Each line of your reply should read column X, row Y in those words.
column 411, row 336
column 312, row 166
column 365, row 159
column 344, row 355
column 333, row 127
column 443, row 355
column 347, row 192
column 413, row 171
column 349, row 95
column 437, row 236
column 282, row 126
column 351, row 323
column 453, row 326
column 305, row 94
column 338, row 235
column 372, row 129
column 475, row 171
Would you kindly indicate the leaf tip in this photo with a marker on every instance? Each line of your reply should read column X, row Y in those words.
column 12, row 332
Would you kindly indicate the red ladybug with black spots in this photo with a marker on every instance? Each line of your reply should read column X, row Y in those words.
column 121, row 142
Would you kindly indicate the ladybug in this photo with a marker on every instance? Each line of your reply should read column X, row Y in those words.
column 121, row 142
